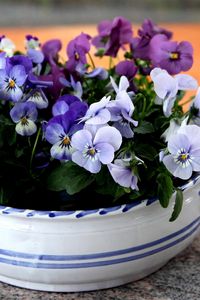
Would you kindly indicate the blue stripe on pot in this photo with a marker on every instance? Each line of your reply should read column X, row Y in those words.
column 64, row 258
column 39, row 265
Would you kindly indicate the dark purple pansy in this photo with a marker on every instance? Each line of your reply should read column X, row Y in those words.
column 77, row 50
column 113, row 35
column 171, row 56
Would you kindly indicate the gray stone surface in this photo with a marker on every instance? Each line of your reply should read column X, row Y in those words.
column 178, row 280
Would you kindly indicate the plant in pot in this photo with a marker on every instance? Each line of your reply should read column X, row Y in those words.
column 99, row 168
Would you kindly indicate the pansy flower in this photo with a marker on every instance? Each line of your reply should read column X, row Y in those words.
column 184, row 152
column 169, row 55
column 58, row 132
column 24, row 115
column 113, row 35
column 95, row 146
column 6, row 46
column 122, row 174
column 11, row 82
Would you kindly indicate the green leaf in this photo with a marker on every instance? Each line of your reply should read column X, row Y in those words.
column 145, row 151
column 178, row 206
column 69, row 177
column 144, row 127
column 165, row 189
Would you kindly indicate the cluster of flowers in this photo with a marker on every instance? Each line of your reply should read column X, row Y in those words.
column 94, row 116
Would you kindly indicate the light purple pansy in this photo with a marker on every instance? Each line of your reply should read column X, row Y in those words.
column 98, row 113
column 170, row 55
column 95, row 146
column 99, row 73
column 11, row 82
column 184, row 152
column 166, row 87
column 122, row 174
column 75, row 85
column 24, row 115
column 58, row 132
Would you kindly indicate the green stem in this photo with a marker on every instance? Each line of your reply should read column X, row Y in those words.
column 110, row 63
column 34, row 147
column 91, row 60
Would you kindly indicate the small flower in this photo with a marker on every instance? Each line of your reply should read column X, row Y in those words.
column 99, row 73
column 122, row 174
column 25, row 115
column 7, row 46
column 58, row 132
column 76, row 86
column 77, row 50
column 32, row 42
column 95, row 147
column 166, row 87
column 169, row 55
column 98, row 113
column 11, row 82
column 113, row 35
column 184, row 152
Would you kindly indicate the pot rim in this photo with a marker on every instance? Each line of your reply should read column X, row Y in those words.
column 99, row 212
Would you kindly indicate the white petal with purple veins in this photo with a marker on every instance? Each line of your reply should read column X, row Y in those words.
column 26, row 129
column 102, row 117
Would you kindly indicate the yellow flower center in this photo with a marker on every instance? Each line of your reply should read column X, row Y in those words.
column 66, row 141
column 174, row 55
column 76, row 56
column 92, row 151
column 184, row 156
column 11, row 83
column 24, row 121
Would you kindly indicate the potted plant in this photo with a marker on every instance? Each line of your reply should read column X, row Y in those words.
column 99, row 168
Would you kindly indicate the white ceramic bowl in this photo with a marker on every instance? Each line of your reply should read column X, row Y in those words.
column 88, row 250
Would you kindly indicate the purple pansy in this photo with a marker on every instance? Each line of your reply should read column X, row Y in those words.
column 169, row 55
column 166, row 87
column 68, row 103
column 98, row 113
column 113, row 35
column 50, row 50
column 95, row 147
column 184, row 152
column 25, row 115
column 99, row 73
column 126, row 68
column 140, row 45
column 122, row 174
column 11, row 82
column 77, row 50
column 58, row 132
column 20, row 60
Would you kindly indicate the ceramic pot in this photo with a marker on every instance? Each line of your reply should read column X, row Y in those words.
column 89, row 250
